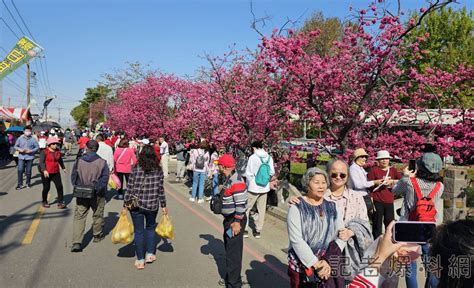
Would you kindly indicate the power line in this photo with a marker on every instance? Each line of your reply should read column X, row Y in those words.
column 10, row 28
column 41, row 78
column 15, row 85
column 11, row 15
column 45, row 75
column 33, row 37
column 23, row 21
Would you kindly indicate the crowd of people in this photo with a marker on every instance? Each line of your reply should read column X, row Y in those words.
column 341, row 215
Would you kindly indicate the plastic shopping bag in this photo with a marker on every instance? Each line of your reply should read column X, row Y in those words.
column 123, row 230
column 165, row 227
column 116, row 179
column 112, row 183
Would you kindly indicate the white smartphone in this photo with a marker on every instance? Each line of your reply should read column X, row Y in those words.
column 413, row 231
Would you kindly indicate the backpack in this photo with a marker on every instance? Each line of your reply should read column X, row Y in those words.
column 263, row 175
column 200, row 161
column 424, row 210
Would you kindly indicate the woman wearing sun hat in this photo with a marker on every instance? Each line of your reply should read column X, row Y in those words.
column 49, row 163
column 358, row 177
column 382, row 194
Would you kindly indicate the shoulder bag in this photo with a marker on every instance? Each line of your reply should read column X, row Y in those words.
column 133, row 202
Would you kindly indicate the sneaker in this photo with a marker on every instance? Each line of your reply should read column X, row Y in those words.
column 200, row 201
column 208, row 198
column 27, row 186
column 221, row 282
column 19, row 187
column 191, row 199
column 46, row 205
column 120, row 197
column 256, row 235
column 99, row 238
column 61, row 206
column 246, row 234
column 76, row 247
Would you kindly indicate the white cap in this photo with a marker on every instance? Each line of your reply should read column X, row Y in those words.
column 84, row 134
column 383, row 154
column 145, row 141
column 42, row 132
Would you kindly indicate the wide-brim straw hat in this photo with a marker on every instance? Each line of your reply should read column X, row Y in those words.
column 359, row 152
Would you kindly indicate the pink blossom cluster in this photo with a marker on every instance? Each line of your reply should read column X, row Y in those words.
column 351, row 95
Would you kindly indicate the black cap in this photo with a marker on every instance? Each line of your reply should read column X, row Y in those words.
column 92, row 145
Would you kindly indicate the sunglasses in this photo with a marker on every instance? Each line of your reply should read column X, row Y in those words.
column 341, row 175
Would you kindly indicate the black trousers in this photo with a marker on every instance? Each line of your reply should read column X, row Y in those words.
column 121, row 176
column 233, row 253
column 56, row 178
column 384, row 213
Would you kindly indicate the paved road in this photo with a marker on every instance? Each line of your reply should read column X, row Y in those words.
column 35, row 246
column 194, row 259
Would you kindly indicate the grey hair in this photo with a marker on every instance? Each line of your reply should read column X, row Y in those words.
column 329, row 167
column 310, row 173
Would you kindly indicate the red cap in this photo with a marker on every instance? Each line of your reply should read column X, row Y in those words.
column 227, row 161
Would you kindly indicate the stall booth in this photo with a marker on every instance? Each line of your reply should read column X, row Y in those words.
column 13, row 116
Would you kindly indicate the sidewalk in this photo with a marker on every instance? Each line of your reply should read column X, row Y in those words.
column 274, row 235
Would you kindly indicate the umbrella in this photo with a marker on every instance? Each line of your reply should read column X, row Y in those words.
column 15, row 129
column 45, row 126
column 52, row 124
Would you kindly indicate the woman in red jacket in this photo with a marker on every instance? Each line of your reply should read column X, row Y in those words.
column 49, row 164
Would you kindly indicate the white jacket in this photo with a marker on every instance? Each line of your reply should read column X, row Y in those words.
column 105, row 152
column 252, row 169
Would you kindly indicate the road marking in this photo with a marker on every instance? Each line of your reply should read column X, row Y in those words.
column 219, row 228
column 30, row 234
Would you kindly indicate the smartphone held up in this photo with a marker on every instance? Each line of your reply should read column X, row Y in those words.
column 413, row 232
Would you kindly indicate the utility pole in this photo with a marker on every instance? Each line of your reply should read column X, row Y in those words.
column 28, row 85
column 9, row 98
column 59, row 113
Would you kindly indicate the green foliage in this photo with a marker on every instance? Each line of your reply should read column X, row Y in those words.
column 450, row 43
column 331, row 30
column 80, row 113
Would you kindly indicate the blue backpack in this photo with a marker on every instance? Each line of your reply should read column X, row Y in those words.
column 263, row 175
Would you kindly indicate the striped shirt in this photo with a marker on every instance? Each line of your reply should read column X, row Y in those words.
column 148, row 188
column 234, row 201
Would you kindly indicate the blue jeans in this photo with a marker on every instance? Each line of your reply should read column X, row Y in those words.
column 215, row 184
column 410, row 278
column 144, row 234
column 199, row 178
column 22, row 164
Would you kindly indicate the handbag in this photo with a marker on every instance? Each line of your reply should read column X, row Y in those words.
column 83, row 192
column 133, row 202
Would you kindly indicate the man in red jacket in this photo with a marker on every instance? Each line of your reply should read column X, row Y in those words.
column 382, row 194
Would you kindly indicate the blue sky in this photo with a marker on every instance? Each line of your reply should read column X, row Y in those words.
column 84, row 39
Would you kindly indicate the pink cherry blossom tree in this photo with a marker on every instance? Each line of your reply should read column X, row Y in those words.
column 353, row 92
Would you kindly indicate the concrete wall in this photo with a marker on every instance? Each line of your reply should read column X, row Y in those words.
column 455, row 197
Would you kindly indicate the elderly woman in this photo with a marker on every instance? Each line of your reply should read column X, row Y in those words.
column 356, row 229
column 359, row 182
column 312, row 225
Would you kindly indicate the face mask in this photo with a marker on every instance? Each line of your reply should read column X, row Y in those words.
column 27, row 133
